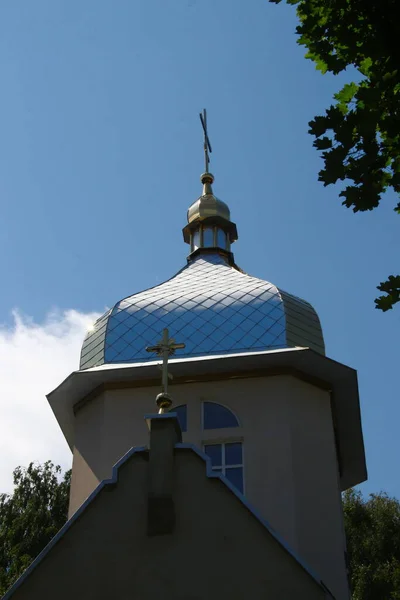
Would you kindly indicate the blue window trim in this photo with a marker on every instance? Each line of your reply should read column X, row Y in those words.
column 181, row 411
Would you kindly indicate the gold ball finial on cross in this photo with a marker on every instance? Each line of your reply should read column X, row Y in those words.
column 164, row 402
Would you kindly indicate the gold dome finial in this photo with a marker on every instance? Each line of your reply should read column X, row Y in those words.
column 207, row 179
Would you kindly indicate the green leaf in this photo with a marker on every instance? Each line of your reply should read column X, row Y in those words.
column 346, row 93
column 334, row 165
column 369, row 95
column 318, row 126
column 365, row 65
column 351, row 195
column 389, row 76
column 395, row 182
column 323, row 143
column 384, row 303
column 396, row 165
column 321, row 65
column 392, row 288
column 346, row 133
column 334, row 117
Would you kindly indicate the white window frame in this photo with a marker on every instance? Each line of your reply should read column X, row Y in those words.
column 224, row 467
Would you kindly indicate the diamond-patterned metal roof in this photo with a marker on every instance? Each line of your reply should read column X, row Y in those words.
column 209, row 305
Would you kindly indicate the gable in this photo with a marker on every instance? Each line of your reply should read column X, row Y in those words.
column 217, row 549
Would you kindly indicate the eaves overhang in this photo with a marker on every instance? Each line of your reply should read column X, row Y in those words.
column 303, row 363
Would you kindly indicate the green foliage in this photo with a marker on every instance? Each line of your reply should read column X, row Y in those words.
column 391, row 287
column 373, row 545
column 363, row 126
column 30, row 517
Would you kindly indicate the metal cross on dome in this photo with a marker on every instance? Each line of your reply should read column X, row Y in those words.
column 207, row 144
column 165, row 348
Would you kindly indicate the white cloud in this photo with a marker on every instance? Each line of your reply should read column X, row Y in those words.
column 34, row 359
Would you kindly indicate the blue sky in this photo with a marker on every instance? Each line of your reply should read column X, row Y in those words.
column 101, row 153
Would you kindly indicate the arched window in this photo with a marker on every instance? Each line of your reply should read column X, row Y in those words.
column 181, row 412
column 216, row 416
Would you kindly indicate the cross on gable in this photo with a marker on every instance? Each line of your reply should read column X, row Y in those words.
column 165, row 348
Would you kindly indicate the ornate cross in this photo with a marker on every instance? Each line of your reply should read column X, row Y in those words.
column 207, row 145
column 165, row 348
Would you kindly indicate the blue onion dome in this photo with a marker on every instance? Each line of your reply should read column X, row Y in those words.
column 210, row 305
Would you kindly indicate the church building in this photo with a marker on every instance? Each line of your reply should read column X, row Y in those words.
column 231, row 486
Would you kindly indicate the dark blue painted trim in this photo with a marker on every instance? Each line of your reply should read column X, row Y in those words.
column 156, row 416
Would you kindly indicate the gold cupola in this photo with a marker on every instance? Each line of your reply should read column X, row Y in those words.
column 209, row 221
column 208, row 205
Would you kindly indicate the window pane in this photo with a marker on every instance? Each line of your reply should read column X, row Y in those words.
column 221, row 239
column 196, row 240
column 216, row 416
column 208, row 237
column 181, row 411
column 233, row 454
column 235, row 476
column 214, row 451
